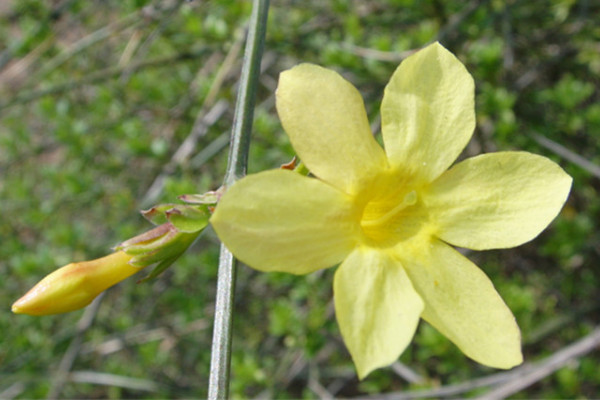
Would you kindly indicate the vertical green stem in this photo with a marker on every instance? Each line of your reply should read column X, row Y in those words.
column 218, row 385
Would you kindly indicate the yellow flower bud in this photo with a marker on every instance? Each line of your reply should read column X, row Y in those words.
column 75, row 285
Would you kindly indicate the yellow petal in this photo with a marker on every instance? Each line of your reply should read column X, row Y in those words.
column 75, row 285
column 497, row 200
column 281, row 221
column 377, row 308
column 325, row 118
column 461, row 303
column 428, row 112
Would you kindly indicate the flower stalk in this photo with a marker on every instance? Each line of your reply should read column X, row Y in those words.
column 237, row 165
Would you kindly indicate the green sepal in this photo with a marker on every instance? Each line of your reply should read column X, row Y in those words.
column 157, row 214
column 189, row 219
column 208, row 198
column 178, row 226
column 185, row 218
column 159, row 269
column 176, row 249
column 172, row 245
column 147, row 241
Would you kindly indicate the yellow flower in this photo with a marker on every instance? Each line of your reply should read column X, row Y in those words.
column 75, row 285
column 390, row 216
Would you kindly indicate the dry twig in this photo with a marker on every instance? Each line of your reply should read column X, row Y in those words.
column 100, row 378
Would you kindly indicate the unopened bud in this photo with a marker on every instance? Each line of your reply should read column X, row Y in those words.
column 75, row 285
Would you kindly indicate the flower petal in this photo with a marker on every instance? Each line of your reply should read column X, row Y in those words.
column 428, row 112
column 461, row 303
column 497, row 200
column 377, row 308
column 281, row 221
column 325, row 118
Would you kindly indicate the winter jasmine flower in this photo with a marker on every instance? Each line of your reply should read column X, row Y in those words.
column 390, row 216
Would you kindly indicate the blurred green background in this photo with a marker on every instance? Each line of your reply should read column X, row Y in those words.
column 107, row 107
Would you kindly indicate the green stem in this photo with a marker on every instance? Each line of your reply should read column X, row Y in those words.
column 218, row 385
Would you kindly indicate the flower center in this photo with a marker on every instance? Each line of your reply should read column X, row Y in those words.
column 387, row 220
column 409, row 200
